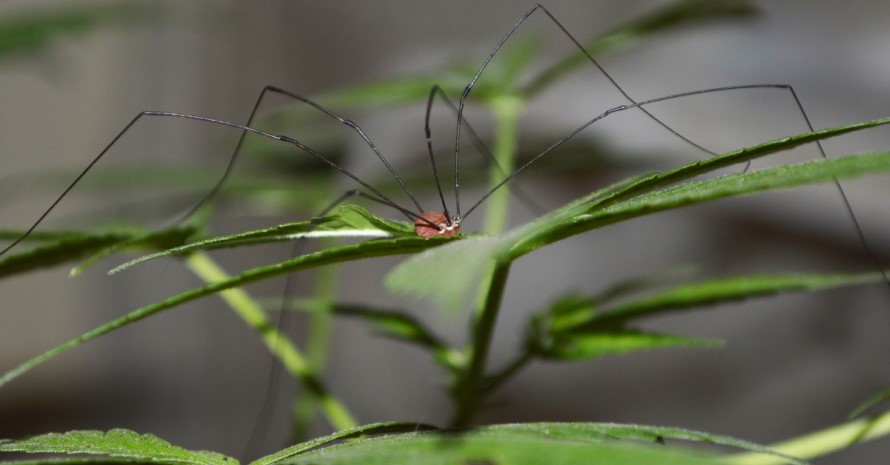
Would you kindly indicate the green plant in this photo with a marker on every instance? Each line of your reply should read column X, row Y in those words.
column 574, row 327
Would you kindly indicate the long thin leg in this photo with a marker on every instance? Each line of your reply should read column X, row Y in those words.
column 634, row 104
column 274, row 373
column 270, row 398
column 607, row 113
column 437, row 90
column 332, row 114
column 357, row 193
column 469, row 88
column 380, row 196
column 868, row 249
column 859, row 232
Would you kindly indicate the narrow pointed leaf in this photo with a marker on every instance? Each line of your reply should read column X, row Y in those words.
column 376, row 428
column 876, row 399
column 696, row 192
column 151, row 241
column 529, row 443
column 115, row 443
column 624, row 190
column 725, row 290
column 41, row 236
column 55, row 253
column 641, row 283
column 73, row 246
column 392, row 324
column 648, row 183
column 78, row 461
column 465, row 449
column 586, row 345
column 567, row 312
column 348, row 221
column 368, row 249
column 604, row 431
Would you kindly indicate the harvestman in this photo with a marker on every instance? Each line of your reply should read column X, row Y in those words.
column 429, row 223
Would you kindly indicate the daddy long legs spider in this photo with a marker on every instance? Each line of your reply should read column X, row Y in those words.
column 505, row 16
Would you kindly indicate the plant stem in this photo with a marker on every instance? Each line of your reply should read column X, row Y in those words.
column 469, row 390
column 280, row 346
column 506, row 110
column 819, row 443
column 317, row 345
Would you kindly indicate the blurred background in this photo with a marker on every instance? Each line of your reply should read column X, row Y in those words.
column 197, row 376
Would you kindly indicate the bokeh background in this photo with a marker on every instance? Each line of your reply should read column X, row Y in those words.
column 197, row 377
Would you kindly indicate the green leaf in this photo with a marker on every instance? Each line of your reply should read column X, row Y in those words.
column 574, row 328
column 468, row 449
column 72, row 246
column 174, row 236
column 115, row 443
column 77, row 461
column 560, row 226
column 724, row 290
column 348, row 221
column 392, row 324
column 368, row 249
column 641, row 283
column 446, row 277
column 41, row 236
column 603, row 431
column 743, row 155
column 376, row 428
column 567, row 312
column 66, row 249
column 460, row 265
column 356, row 217
column 570, row 346
column 30, row 32
column 871, row 402
column 527, row 443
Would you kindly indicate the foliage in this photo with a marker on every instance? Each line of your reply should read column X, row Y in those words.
column 525, row 443
column 574, row 327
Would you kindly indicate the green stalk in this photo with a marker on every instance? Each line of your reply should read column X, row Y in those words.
column 819, row 443
column 469, row 388
column 281, row 347
column 317, row 345
column 506, row 110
